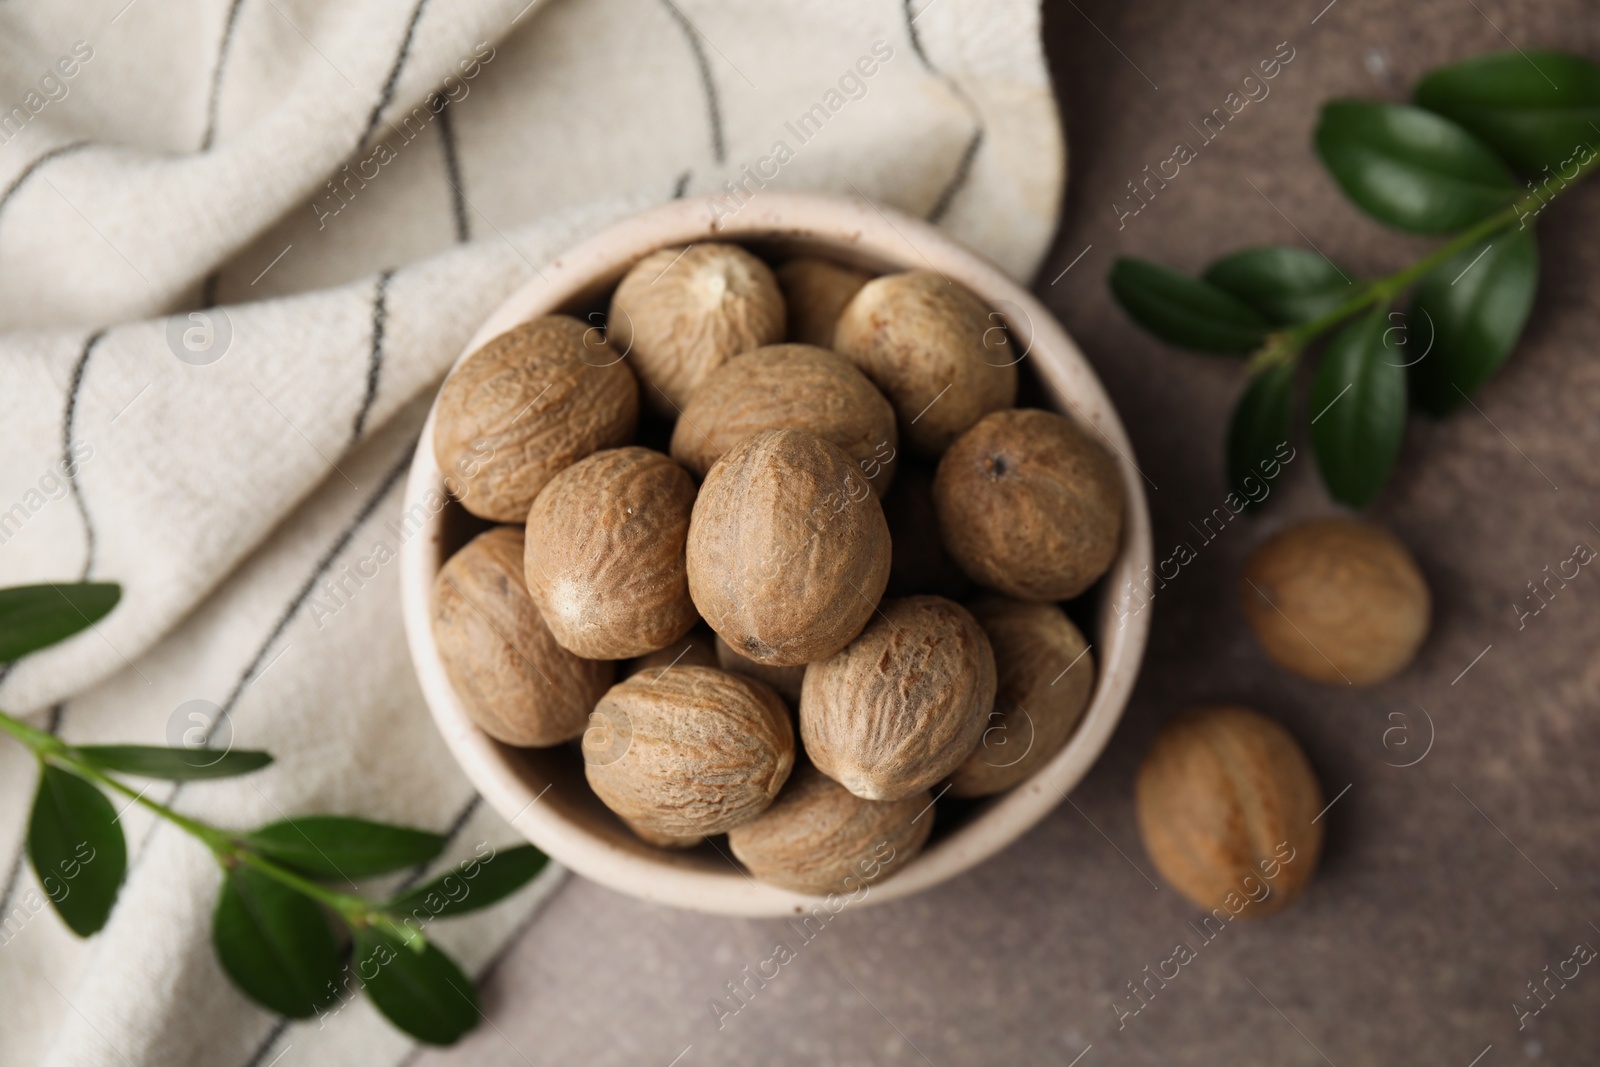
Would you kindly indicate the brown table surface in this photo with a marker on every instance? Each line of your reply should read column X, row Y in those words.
column 1446, row 886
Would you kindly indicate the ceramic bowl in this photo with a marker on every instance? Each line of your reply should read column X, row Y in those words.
column 542, row 792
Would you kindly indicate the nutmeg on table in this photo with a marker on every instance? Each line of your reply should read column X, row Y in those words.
column 782, row 549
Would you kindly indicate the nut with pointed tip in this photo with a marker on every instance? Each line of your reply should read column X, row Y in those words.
column 694, row 752
column 605, row 555
column 517, row 684
column 815, row 292
column 1046, row 677
column 681, row 313
column 1029, row 505
column 1226, row 804
column 939, row 355
column 788, row 550
column 1337, row 600
column 902, row 705
column 800, row 387
column 524, row 407
column 820, row 838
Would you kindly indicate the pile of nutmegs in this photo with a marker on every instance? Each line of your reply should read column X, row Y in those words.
column 781, row 514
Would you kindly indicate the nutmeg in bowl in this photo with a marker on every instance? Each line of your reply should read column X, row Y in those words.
column 544, row 793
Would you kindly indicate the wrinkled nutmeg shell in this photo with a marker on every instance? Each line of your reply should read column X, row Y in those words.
column 679, row 315
column 939, row 355
column 815, row 291
column 695, row 751
column 517, row 684
column 788, row 551
column 786, row 680
column 605, row 555
column 820, row 838
column 1029, row 505
column 902, row 705
column 1045, row 677
column 525, row 406
column 798, row 387
column 650, row 837
column 1337, row 601
column 1225, row 801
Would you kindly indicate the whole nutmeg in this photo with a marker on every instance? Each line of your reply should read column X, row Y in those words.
column 525, row 406
column 695, row 751
column 799, row 387
column 920, row 563
column 681, row 313
column 605, row 556
column 1225, row 803
column 788, row 550
column 517, row 684
column 1337, row 600
column 786, row 680
column 815, row 291
column 1045, row 678
column 696, row 648
column 939, row 355
column 820, row 838
column 902, row 705
column 1029, row 505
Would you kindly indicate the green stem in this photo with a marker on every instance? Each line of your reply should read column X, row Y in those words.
column 227, row 847
column 1287, row 344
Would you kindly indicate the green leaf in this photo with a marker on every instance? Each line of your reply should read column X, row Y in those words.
column 471, row 885
column 1534, row 107
column 338, row 847
column 423, row 993
column 1285, row 285
column 275, row 944
column 1359, row 400
column 1258, row 432
column 77, row 850
column 37, row 616
column 176, row 764
column 1473, row 307
column 1185, row 311
column 1411, row 169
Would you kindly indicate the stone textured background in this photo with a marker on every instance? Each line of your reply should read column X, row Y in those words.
column 1445, row 886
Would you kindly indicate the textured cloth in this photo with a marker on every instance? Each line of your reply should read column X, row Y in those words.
column 240, row 243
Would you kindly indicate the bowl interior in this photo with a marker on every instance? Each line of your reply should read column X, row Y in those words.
column 542, row 792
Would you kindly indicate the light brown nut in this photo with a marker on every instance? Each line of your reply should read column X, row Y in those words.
column 650, row 837
column 815, row 291
column 920, row 563
column 680, row 314
column 939, row 355
column 799, row 387
column 1337, row 600
column 820, row 838
column 1046, row 677
column 696, row 751
column 697, row 648
column 1226, row 800
column 902, row 705
column 786, row 680
column 788, row 550
column 605, row 557
column 516, row 683
column 1029, row 505
column 525, row 406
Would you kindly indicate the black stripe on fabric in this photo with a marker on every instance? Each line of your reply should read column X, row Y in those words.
column 387, row 95
column 452, row 171
column 380, row 313
column 216, row 76
column 718, row 152
column 457, row 824
column 682, row 187
column 259, row 1057
column 969, row 154
column 27, row 172
column 71, row 467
